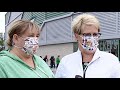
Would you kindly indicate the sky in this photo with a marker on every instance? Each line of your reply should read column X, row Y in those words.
column 2, row 22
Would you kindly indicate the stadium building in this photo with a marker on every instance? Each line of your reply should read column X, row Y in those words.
column 57, row 37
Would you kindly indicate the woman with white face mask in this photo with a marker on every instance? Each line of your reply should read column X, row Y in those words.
column 88, row 61
column 20, row 61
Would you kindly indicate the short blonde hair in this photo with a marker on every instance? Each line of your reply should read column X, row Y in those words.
column 20, row 27
column 86, row 19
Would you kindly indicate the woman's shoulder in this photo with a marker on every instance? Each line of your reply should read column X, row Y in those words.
column 5, row 61
column 109, row 56
column 70, row 57
column 39, row 60
column 43, row 65
column 103, row 53
column 4, row 56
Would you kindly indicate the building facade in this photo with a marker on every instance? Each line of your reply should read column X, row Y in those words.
column 57, row 37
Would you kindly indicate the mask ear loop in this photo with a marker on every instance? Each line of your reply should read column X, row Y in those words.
column 15, row 45
column 22, row 48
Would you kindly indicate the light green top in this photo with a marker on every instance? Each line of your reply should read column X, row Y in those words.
column 12, row 66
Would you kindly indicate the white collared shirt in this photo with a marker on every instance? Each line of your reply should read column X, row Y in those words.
column 103, row 65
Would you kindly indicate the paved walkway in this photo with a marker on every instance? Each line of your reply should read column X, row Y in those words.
column 53, row 70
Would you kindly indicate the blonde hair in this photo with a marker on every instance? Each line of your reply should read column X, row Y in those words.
column 19, row 27
column 86, row 19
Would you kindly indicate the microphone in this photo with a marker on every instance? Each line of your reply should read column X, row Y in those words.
column 78, row 76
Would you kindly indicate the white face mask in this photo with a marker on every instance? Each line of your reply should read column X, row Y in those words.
column 90, row 43
column 31, row 45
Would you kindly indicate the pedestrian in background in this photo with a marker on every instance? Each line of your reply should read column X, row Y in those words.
column 57, row 60
column 45, row 58
column 41, row 56
column 52, row 62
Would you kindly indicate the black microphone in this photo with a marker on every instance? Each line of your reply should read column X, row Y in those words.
column 78, row 76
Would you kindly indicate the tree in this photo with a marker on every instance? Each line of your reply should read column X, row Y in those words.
column 1, row 44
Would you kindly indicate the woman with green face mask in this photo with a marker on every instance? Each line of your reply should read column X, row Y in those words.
column 20, row 61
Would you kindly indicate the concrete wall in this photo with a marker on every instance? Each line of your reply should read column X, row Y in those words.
column 54, row 50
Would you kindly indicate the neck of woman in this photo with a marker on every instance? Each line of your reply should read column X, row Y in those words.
column 87, row 57
column 25, row 58
column 20, row 54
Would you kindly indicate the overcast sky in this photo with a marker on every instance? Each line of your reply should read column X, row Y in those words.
column 2, row 22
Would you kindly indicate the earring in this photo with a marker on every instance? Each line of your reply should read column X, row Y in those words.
column 13, row 43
